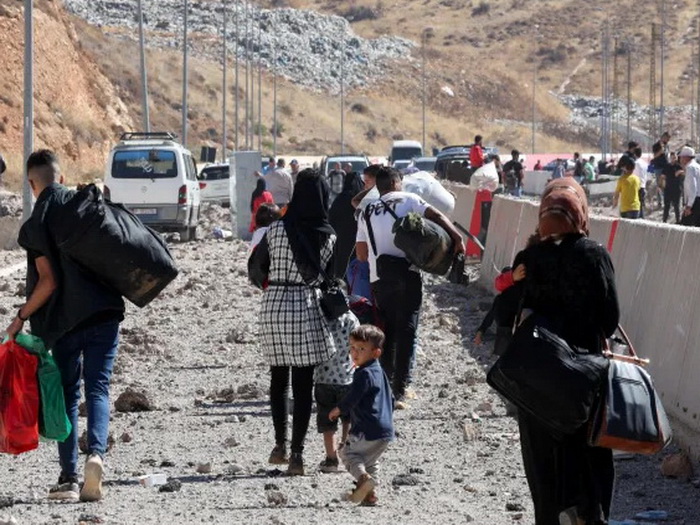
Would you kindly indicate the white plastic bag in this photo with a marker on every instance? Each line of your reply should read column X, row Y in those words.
column 485, row 178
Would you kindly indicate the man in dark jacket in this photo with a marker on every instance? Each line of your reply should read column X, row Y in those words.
column 76, row 316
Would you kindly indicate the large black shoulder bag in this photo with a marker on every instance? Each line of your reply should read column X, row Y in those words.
column 334, row 302
column 547, row 378
column 114, row 245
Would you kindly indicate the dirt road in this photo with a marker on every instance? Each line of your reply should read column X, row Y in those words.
column 195, row 353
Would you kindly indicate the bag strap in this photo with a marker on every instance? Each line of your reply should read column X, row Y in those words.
column 632, row 357
column 368, row 222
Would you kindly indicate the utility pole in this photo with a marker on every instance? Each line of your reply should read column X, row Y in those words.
column 185, row 75
column 629, row 88
column 260, row 128
column 615, row 98
column 274, row 102
column 604, row 123
column 651, row 129
column 247, row 68
column 144, row 73
column 237, row 91
column 28, row 103
column 663, row 52
column 342, row 95
column 423, row 42
column 252, row 79
column 225, row 86
column 534, row 104
column 697, row 65
column 692, row 96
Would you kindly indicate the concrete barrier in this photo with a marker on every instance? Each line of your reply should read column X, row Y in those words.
column 535, row 181
column 658, row 291
column 464, row 202
column 9, row 230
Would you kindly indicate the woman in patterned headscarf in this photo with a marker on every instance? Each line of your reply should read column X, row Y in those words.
column 570, row 282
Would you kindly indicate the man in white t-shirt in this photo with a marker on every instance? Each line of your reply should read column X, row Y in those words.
column 280, row 184
column 640, row 170
column 397, row 286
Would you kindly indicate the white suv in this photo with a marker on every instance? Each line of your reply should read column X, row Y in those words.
column 214, row 183
column 156, row 178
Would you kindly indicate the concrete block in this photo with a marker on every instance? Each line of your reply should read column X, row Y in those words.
column 535, row 182
column 601, row 228
column 9, row 230
column 501, row 243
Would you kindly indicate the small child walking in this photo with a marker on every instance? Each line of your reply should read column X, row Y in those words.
column 370, row 405
column 332, row 380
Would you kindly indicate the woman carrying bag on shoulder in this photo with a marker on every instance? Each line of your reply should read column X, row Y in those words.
column 295, row 335
column 570, row 282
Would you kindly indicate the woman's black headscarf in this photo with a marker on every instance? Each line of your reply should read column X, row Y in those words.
column 306, row 222
column 259, row 189
column 342, row 218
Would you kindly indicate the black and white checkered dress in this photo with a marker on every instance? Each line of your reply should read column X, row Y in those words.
column 294, row 330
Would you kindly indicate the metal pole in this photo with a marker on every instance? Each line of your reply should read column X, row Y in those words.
column 274, row 101
column 247, row 68
column 237, row 6
column 185, row 79
column 534, row 105
column 28, row 103
column 604, row 67
column 144, row 73
column 629, row 88
column 224, row 140
column 260, row 130
column 697, row 65
column 663, row 52
column 342, row 95
column 252, row 80
column 423, row 39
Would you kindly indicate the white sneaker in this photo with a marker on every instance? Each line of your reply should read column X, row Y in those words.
column 94, row 471
column 65, row 491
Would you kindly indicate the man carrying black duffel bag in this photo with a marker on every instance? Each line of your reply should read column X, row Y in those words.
column 78, row 317
column 396, row 285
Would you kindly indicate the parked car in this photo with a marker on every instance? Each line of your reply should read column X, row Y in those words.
column 453, row 163
column 155, row 177
column 570, row 165
column 424, row 163
column 404, row 150
column 401, row 164
column 214, row 184
column 358, row 162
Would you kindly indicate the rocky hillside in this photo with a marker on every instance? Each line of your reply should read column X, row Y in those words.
column 481, row 57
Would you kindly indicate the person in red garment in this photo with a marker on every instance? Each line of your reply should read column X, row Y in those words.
column 476, row 153
column 259, row 197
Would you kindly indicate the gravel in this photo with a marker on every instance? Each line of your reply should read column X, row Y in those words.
column 304, row 46
column 180, row 356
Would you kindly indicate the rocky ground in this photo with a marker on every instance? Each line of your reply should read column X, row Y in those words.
column 194, row 352
column 302, row 45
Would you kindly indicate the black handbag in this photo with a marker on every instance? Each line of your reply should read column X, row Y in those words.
column 334, row 302
column 547, row 378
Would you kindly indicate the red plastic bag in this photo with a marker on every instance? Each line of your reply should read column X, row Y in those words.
column 19, row 399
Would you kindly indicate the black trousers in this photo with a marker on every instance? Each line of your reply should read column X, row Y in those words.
column 642, row 198
column 302, row 390
column 694, row 218
column 565, row 474
column 672, row 199
column 399, row 304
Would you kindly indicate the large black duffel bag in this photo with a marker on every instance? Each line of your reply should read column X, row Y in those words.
column 544, row 376
column 114, row 245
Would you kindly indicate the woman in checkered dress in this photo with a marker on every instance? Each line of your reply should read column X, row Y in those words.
column 295, row 333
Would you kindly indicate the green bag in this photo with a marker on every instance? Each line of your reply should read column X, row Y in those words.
column 53, row 420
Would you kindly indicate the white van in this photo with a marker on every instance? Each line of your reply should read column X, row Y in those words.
column 156, row 178
column 214, row 183
column 405, row 150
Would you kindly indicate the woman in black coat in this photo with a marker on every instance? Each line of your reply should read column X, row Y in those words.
column 342, row 218
column 570, row 281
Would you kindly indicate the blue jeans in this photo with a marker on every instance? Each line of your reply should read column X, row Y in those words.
column 516, row 192
column 89, row 353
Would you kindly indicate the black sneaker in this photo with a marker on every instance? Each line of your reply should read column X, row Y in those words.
column 296, row 464
column 65, row 490
column 278, row 456
column 329, row 465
